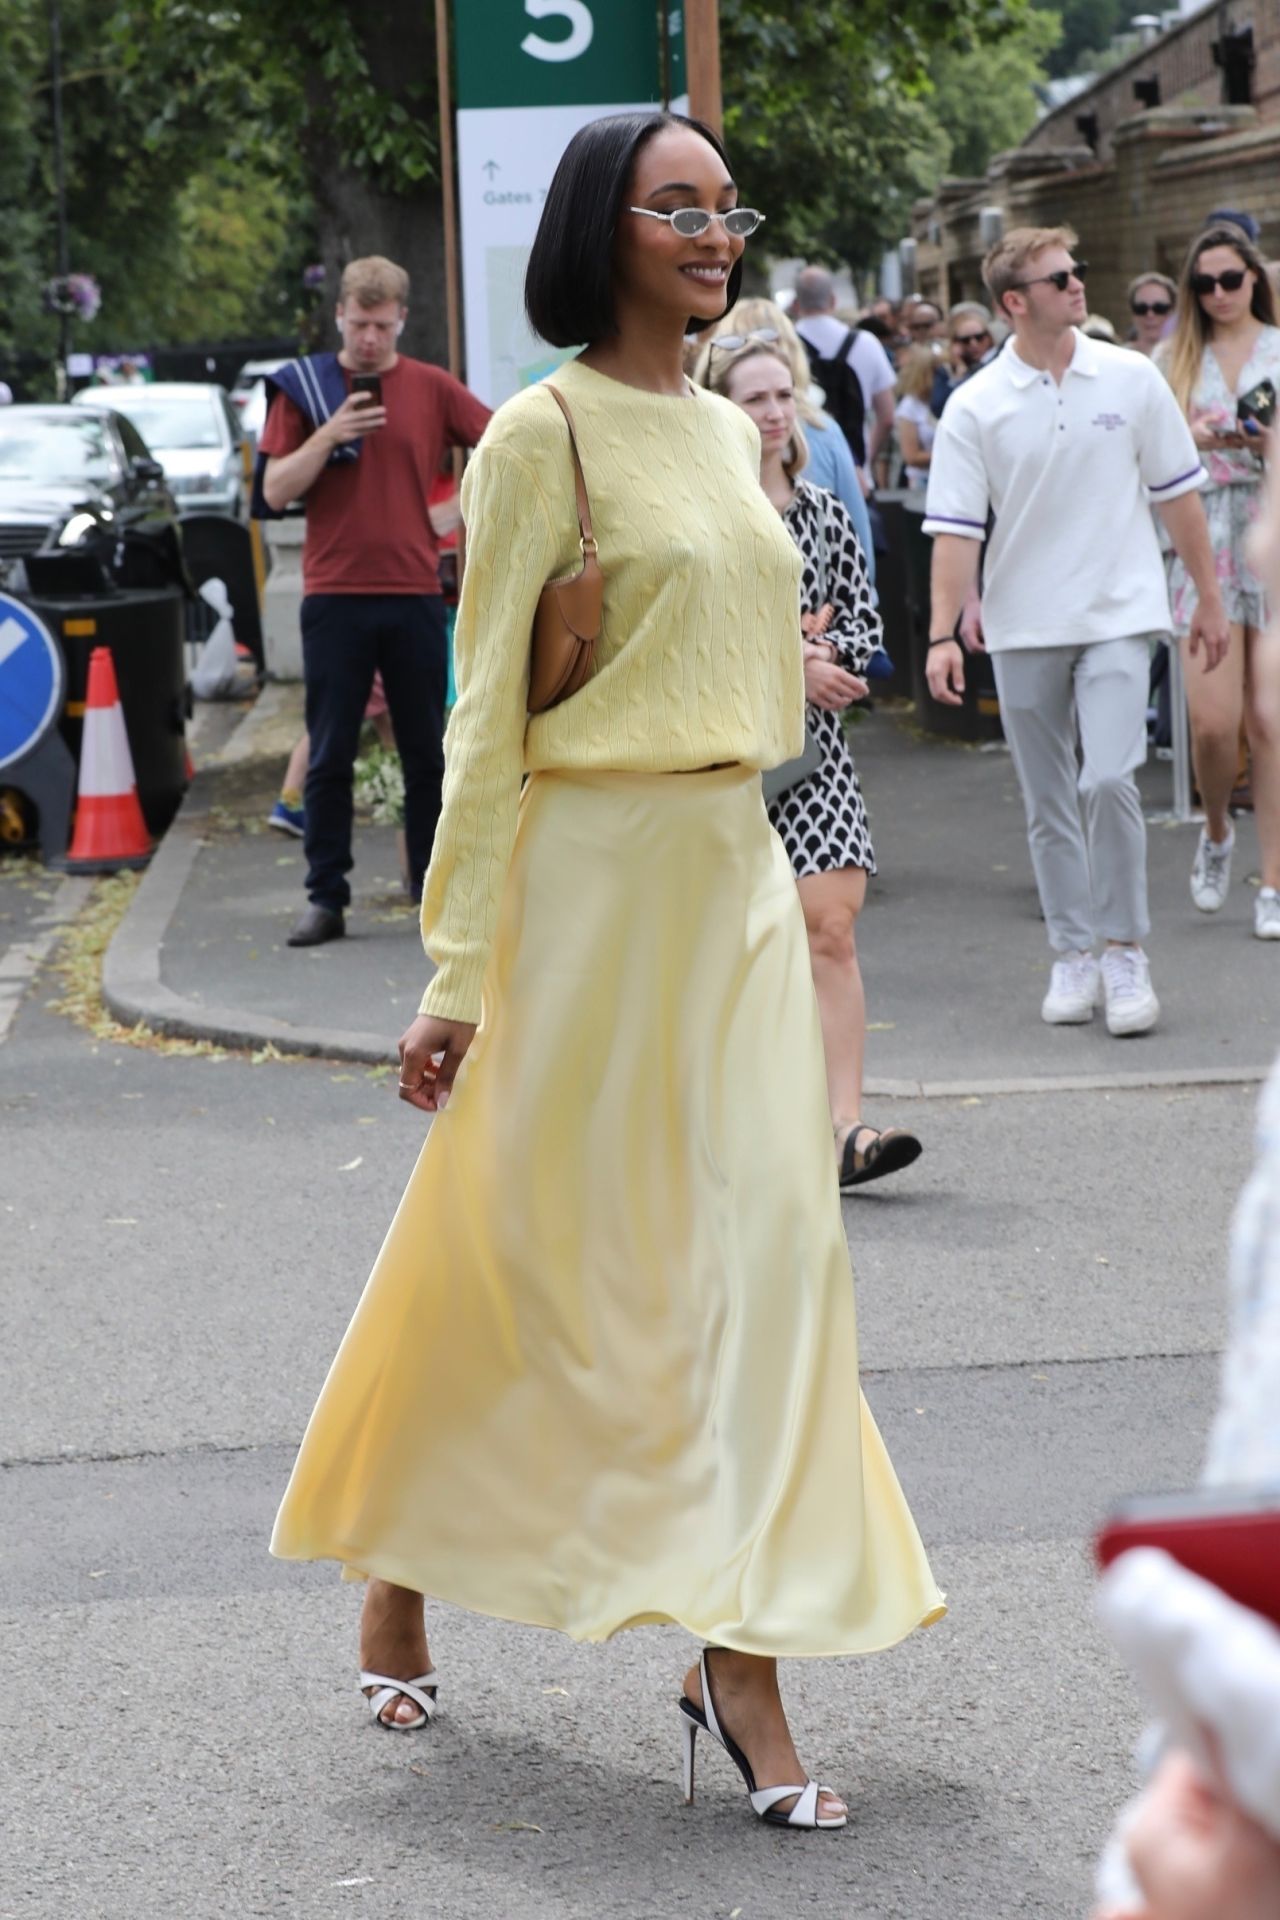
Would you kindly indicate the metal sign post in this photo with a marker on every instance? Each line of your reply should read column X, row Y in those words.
column 449, row 194
column 702, row 32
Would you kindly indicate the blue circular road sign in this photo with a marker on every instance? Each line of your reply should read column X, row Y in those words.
column 32, row 678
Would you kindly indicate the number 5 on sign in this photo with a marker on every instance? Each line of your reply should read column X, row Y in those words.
column 575, row 43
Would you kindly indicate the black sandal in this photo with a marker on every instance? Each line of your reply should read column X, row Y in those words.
column 888, row 1152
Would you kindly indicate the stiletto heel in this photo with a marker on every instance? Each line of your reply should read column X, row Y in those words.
column 764, row 1800
column 689, row 1737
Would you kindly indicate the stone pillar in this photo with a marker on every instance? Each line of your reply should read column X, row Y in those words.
column 282, row 598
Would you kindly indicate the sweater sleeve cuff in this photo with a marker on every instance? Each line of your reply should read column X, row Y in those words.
column 453, row 993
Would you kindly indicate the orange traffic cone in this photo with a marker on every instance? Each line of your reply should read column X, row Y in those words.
column 110, row 831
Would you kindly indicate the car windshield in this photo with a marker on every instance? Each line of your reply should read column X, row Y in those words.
column 170, row 420
column 52, row 449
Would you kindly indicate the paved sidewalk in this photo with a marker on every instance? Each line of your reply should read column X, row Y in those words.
column 952, row 945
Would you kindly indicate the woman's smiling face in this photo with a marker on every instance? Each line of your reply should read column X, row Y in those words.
column 656, row 267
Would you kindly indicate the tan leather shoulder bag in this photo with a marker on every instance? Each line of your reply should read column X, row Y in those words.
column 568, row 616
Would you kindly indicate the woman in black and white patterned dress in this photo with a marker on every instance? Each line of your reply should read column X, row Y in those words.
column 821, row 817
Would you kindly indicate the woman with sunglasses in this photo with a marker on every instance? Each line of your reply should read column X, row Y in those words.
column 831, row 463
column 1224, row 351
column 1152, row 298
column 605, row 1371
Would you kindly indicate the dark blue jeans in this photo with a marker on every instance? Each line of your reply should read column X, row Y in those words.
column 345, row 636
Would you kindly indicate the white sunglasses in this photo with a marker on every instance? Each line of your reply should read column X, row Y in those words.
column 689, row 222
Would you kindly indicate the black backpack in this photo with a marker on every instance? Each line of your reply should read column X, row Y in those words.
column 843, row 389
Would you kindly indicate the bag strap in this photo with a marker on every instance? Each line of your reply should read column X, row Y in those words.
column 824, row 598
column 588, row 540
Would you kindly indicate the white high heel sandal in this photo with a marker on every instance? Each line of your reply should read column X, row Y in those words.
column 764, row 1800
column 421, row 1691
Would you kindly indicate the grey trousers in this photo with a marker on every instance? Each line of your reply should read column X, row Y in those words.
column 1075, row 721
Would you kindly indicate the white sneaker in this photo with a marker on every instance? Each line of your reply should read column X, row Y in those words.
column 1132, row 1006
column 1075, row 987
column 1211, row 871
column 1266, row 914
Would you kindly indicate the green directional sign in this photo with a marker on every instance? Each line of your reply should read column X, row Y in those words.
column 558, row 53
column 530, row 73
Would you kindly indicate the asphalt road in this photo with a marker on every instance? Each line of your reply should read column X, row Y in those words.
column 1041, row 1303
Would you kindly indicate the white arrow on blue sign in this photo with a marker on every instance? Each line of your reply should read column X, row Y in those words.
column 32, row 678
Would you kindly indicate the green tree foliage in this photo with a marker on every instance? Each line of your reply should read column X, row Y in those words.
column 240, row 254
column 1087, row 27
column 342, row 94
column 179, row 207
column 212, row 150
column 23, row 265
column 984, row 97
column 359, row 81
column 829, row 110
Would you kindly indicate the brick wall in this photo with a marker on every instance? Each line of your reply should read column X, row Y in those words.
column 1182, row 61
column 1140, row 209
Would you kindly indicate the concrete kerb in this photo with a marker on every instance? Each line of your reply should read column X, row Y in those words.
column 1069, row 1083
column 133, row 989
column 132, row 986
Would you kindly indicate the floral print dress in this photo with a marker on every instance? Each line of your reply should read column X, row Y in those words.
column 1233, row 497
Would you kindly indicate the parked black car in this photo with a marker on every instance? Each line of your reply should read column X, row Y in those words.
column 83, row 506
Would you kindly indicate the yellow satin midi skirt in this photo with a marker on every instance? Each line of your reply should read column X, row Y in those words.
column 605, row 1371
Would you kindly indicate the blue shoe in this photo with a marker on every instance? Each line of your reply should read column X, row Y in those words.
column 287, row 819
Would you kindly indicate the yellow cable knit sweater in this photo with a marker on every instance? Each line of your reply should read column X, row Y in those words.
column 699, row 659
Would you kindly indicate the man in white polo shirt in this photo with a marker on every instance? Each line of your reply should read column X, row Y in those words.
column 1067, row 442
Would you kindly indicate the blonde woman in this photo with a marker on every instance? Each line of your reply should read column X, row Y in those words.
column 821, row 819
column 1227, row 346
column 915, row 419
column 831, row 463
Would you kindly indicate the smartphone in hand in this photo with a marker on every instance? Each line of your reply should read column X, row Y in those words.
column 1258, row 406
column 370, row 383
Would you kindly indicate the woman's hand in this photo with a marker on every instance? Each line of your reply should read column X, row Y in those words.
column 826, row 683
column 813, row 624
column 431, row 1051
column 359, row 414
column 1194, row 1851
column 445, row 516
column 1216, row 431
column 1261, row 439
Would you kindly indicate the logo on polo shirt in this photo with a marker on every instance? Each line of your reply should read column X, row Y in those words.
column 1109, row 420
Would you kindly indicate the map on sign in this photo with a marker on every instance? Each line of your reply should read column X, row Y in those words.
column 32, row 679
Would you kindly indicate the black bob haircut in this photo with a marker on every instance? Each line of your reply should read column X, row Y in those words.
column 568, row 289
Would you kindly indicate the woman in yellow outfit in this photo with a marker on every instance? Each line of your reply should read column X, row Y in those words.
column 622, row 1248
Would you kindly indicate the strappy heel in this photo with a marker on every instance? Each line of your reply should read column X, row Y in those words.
column 764, row 1800
column 421, row 1691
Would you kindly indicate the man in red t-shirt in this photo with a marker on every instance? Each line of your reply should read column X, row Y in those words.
column 371, row 586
